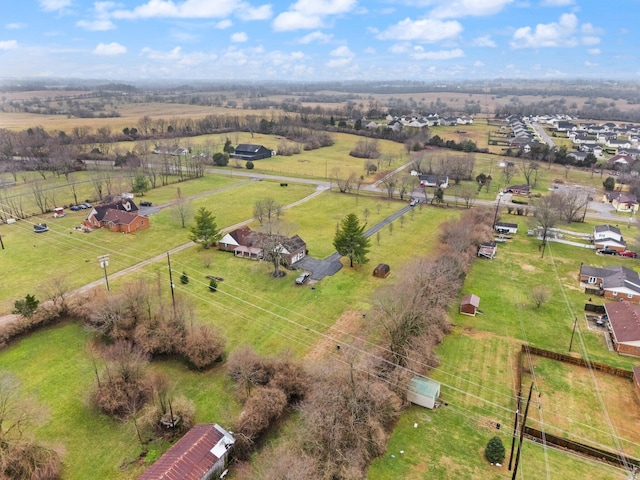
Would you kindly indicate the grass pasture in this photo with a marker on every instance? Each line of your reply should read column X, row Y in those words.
column 573, row 399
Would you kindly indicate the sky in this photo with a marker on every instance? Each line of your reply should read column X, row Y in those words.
column 320, row 40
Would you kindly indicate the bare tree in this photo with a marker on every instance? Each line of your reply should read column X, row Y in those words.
column 41, row 197
column 345, row 184
column 573, row 204
column 547, row 213
column 468, row 193
column 540, row 294
column 182, row 208
column 389, row 183
column 266, row 211
column 529, row 168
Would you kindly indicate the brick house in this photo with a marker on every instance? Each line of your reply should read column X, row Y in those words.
column 120, row 216
column 615, row 282
column 624, row 326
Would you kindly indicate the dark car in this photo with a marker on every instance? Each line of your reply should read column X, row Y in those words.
column 607, row 251
column 628, row 253
column 145, row 204
column 75, row 208
column 303, row 277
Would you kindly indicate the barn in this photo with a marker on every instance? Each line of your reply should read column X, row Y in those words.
column 382, row 270
column 248, row 151
column 469, row 305
column 423, row 391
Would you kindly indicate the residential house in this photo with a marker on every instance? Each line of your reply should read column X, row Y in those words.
column 520, row 190
column 201, row 454
column 433, row 180
column 616, row 282
column 245, row 243
column 173, row 150
column 119, row 216
column 620, row 160
column 624, row 326
column 622, row 202
column 292, row 249
column 231, row 240
column 608, row 236
column 250, row 152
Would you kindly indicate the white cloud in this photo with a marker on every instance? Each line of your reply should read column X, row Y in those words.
column 590, row 64
column 468, row 8
column 484, row 41
column 15, row 26
column 342, row 56
column 8, row 44
column 189, row 9
column 296, row 21
column 307, row 14
column 427, row 30
column 239, row 37
column 316, row 36
column 54, row 5
column 96, row 25
column 370, row 51
column 338, row 62
column 400, row 48
column 593, row 51
column 420, row 54
column 222, row 24
column 110, row 49
column 478, row 63
column 556, row 3
column 262, row 12
column 555, row 34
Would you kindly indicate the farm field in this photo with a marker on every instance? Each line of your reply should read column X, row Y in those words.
column 477, row 360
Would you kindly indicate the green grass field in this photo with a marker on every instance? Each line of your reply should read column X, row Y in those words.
column 477, row 368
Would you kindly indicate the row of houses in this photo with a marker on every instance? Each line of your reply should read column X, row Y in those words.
column 428, row 120
column 244, row 151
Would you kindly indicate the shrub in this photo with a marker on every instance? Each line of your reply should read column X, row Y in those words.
column 494, row 451
column 203, row 346
column 184, row 279
column 249, row 165
column 220, row 159
column 609, row 184
column 26, row 307
column 213, row 285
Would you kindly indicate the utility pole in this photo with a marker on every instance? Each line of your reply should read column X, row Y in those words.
column 495, row 216
column 173, row 297
column 104, row 263
column 515, row 424
column 575, row 321
column 524, row 422
column 1, row 242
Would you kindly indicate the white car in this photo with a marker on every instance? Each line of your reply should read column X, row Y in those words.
column 303, row 277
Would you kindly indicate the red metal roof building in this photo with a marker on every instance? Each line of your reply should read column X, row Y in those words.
column 200, row 454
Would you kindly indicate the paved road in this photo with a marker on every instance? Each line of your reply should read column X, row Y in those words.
column 543, row 135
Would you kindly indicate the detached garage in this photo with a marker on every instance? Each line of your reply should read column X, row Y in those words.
column 469, row 305
column 423, row 392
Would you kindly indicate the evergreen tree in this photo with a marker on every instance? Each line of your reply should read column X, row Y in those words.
column 228, row 148
column 184, row 279
column 140, row 184
column 205, row 231
column 220, row 159
column 249, row 165
column 494, row 451
column 26, row 307
column 213, row 285
column 350, row 241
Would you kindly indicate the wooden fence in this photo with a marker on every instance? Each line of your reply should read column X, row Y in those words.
column 590, row 307
column 581, row 448
column 619, row 372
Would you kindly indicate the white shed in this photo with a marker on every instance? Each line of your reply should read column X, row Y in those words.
column 423, row 392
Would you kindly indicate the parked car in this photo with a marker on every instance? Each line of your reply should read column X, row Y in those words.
column 607, row 251
column 628, row 253
column 414, row 202
column 302, row 278
column 145, row 204
column 86, row 205
column 75, row 208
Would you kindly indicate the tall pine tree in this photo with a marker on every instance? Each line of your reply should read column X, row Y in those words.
column 205, row 231
column 350, row 240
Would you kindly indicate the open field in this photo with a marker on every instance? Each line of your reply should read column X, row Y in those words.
column 477, row 368
column 573, row 400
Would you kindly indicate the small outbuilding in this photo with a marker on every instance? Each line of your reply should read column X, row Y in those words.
column 423, row 391
column 382, row 270
column 488, row 249
column 469, row 305
column 506, row 228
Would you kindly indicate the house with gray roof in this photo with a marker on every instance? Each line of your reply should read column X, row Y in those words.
column 615, row 282
column 624, row 326
column 608, row 236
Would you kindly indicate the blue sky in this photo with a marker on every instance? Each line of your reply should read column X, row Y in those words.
column 317, row 40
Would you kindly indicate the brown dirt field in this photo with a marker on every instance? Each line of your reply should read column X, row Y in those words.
column 571, row 406
column 348, row 324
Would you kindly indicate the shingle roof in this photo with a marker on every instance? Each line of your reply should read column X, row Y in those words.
column 470, row 299
column 613, row 277
column 624, row 318
column 607, row 228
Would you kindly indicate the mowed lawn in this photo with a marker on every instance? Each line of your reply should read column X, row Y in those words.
column 250, row 307
column 477, row 369
column 31, row 260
